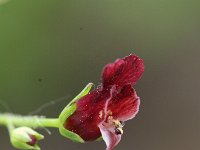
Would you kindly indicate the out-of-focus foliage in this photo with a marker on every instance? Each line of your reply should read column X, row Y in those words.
column 3, row 2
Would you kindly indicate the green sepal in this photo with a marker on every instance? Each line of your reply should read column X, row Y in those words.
column 68, row 111
column 23, row 146
column 70, row 135
column 70, row 108
column 84, row 92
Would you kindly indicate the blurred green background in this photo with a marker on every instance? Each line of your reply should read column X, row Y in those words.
column 49, row 50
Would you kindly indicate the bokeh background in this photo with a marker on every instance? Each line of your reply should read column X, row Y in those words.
column 50, row 49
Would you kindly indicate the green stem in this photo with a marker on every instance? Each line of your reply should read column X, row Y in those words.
column 29, row 121
column 10, row 126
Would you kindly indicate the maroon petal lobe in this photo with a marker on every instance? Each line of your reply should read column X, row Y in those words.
column 125, row 104
column 89, row 113
column 123, row 71
column 109, row 136
column 33, row 140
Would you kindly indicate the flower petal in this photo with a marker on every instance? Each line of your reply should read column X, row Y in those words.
column 123, row 71
column 89, row 113
column 33, row 140
column 125, row 104
column 109, row 136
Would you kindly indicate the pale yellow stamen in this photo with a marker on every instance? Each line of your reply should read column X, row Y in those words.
column 100, row 114
column 110, row 121
column 118, row 126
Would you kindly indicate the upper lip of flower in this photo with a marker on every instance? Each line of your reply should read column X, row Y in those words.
column 102, row 111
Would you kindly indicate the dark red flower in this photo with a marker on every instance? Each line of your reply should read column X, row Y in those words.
column 103, row 111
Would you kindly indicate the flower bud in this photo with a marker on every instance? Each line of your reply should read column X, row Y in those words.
column 25, row 138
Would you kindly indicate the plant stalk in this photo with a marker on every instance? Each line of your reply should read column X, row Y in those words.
column 29, row 121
